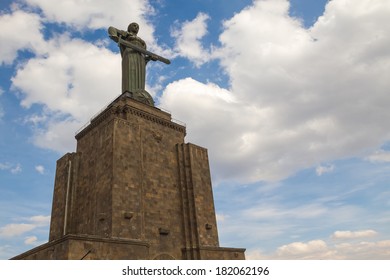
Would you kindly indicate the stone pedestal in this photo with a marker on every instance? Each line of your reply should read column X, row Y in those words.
column 133, row 190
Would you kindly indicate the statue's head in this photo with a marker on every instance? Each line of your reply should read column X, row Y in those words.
column 133, row 28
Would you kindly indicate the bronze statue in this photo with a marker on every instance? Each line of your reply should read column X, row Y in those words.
column 134, row 60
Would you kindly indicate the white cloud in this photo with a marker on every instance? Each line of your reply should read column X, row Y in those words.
column 39, row 220
column 69, row 88
column 17, row 229
column 58, row 135
column 30, row 240
column 309, row 250
column 221, row 217
column 320, row 170
column 255, row 254
column 4, row 166
column 100, row 14
column 188, row 39
column 17, row 169
column 11, row 230
column 13, row 168
column 353, row 234
column 40, row 169
column 302, row 96
column 321, row 250
column 379, row 156
column 379, row 250
column 69, row 74
column 33, row 241
column 36, row 120
column 275, row 212
column 212, row 111
column 19, row 31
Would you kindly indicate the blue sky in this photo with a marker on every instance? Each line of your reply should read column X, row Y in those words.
column 291, row 99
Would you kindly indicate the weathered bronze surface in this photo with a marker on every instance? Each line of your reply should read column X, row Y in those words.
column 134, row 60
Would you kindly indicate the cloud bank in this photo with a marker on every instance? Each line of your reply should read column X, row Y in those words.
column 326, row 250
column 303, row 96
column 297, row 98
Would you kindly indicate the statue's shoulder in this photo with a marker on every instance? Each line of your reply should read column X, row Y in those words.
column 137, row 40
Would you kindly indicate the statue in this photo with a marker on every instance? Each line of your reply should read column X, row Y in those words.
column 134, row 60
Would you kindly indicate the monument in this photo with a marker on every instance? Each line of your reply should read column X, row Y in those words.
column 133, row 189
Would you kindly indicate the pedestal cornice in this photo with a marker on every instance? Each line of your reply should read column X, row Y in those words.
column 124, row 105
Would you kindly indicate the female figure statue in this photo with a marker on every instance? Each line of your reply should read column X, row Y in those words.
column 134, row 60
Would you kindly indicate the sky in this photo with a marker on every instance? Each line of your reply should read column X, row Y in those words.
column 291, row 99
